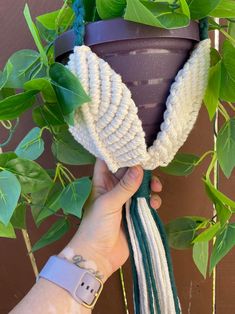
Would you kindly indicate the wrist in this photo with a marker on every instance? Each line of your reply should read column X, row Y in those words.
column 86, row 258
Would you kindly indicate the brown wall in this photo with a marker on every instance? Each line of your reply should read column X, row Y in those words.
column 181, row 196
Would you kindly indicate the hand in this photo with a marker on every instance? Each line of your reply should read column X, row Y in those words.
column 100, row 237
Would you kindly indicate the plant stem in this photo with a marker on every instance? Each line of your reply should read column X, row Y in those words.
column 227, row 35
column 231, row 106
column 210, row 152
column 223, row 111
column 29, row 250
column 211, row 165
column 123, row 289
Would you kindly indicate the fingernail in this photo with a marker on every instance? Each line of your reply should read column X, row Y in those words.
column 133, row 172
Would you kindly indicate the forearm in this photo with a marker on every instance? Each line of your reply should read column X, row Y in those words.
column 48, row 298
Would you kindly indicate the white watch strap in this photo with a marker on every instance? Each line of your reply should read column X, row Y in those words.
column 80, row 283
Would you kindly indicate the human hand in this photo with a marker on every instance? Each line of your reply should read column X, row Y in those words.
column 100, row 237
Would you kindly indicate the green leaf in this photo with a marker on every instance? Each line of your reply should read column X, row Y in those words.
column 53, row 23
column 225, row 146
column 75, row 195
column 7, row 231
column 69, row 91
column 32, row 176
column 5, row 157
column 227, row 87
column 90, row 10
column 208, row 234
column 231, row 29
column 211, row 98
column 214, row 56
column 156, row 14
column 223, row 213
column 20, row 102
column 201, row 8
column 44, row 86
column 32, row 145
column 223, row 244
column 110, row 9
column 218, row 197
column 225, row 9
column 48, row 115
column 182, row 165
column 38, row 201
column 69, row 151
column 200, row 256
column 9, row 195
column 25, row 65
column 56, row 231
column 35, row 34
column 52, row 204
column 181, row 232
column 18, row 219
column 5, row 74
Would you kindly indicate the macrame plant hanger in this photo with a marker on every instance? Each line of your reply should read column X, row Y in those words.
column 153, row 280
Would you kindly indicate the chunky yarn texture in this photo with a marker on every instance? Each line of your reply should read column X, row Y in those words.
column 109, row 126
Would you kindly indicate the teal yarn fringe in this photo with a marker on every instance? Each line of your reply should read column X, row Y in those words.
column 153, row 297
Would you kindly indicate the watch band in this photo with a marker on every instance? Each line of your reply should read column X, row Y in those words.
column 84, row 287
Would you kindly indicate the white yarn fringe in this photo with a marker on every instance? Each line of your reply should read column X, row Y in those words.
column 158, row 259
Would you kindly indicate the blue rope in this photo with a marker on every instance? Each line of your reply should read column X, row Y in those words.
column 79, row 23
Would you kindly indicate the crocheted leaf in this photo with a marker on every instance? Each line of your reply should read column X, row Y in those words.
column 200, row 256
column 182, row 165
column 226, row 147
column 68, row 88
column 223, row 244
column 57, row 230
column 9, row 195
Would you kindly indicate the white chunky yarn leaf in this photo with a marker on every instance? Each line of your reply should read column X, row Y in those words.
column 109, row 126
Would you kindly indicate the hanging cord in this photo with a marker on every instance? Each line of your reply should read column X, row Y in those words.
column 79, row 23
column 203, row 28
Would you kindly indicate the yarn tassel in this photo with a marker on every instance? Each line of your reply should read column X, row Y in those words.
column 153, row 279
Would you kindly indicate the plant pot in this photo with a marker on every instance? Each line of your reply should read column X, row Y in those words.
column 147, row 58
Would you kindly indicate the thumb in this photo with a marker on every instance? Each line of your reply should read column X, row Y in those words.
column 126, row 187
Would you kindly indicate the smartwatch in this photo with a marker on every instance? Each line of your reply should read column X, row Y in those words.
column 83, row 286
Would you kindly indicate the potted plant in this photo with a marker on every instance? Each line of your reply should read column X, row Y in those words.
column 31, row 80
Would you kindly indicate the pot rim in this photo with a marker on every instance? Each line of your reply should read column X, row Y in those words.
column 99, row 32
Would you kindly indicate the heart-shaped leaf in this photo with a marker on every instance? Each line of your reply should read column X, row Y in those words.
column 9, row 195
column 32, row 146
